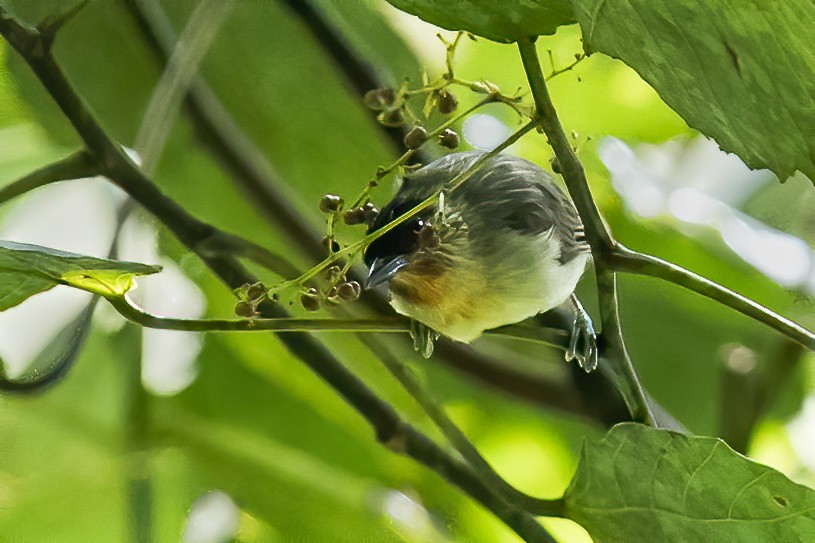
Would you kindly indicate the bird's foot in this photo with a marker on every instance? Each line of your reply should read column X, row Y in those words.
column 423, row 338
column 583, row 343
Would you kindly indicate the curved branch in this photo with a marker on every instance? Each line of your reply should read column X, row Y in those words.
column 624, row 259
column 75, row 166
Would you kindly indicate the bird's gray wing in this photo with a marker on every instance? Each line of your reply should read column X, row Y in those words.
column 514, row 193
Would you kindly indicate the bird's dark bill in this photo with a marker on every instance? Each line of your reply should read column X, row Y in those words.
column 383, row 268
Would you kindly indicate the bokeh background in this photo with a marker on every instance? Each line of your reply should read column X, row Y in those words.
column 228, row 437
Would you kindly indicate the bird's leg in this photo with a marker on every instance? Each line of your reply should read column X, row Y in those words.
column 583, row 343
column 423, row 338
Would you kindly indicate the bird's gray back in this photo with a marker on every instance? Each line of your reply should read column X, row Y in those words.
column 506, row 192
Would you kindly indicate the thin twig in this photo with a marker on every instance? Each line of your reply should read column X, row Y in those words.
column 74, row 166
column 626, row 260
column 457, row 438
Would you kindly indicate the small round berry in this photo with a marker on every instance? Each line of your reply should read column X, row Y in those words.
column 310, row 301
column 395, row 117
column 349, row 291
column 448, row 139
column 354, row 216
column 379, row 99
column 555, row 164
column 416, row 137
column 256, row 292
column 331, row 203
column 447, row 102
column 245, row 309
column 370, row 211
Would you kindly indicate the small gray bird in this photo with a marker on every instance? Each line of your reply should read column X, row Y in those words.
column 502, row 247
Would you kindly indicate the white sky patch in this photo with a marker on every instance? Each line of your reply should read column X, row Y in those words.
column 699, row 185
column 168, row 356
column 213, row 518
column 78, row 216
column 484, row 131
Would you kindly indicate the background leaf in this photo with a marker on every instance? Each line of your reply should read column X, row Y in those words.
column 26, row 270
column 496, row 20
column 741, row 72
column 642, row 484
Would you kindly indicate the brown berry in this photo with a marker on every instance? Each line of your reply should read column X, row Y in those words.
column 256, row 292
column 416, row 137
column 370, row 211
column 448, row 139
column 447, row 102
column 331, row 203
column 379, row 99
column 245, row 309
column 349, row 291
column 395, row 117
column 310, row 300
column 354, row 216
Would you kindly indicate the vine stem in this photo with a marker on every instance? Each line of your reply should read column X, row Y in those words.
column 135, row 314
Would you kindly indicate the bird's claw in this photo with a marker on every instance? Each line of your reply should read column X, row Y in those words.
column 583, row 343
column 423, row 338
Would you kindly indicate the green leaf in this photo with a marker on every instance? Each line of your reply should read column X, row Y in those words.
column 493, row 19
column 26, row 270
column 643, row 484
column 739, row 71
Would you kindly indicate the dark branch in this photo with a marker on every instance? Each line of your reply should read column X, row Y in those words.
column 612, row 346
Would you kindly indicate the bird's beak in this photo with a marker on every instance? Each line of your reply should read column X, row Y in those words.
column 382, row 269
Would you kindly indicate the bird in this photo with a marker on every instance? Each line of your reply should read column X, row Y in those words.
column 502, row 246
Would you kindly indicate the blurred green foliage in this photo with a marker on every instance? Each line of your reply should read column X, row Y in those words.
column 300, row 464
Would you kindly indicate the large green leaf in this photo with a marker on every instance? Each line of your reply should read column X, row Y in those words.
column 643, row 484
column 26, row 270
column 493, row 19
column 740, row 71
